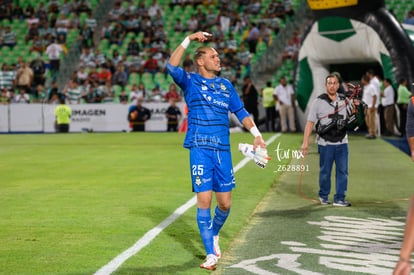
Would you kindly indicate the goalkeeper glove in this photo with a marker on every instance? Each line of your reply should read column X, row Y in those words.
column 259, row 156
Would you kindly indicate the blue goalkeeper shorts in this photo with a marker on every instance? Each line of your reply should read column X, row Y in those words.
column 211, row 170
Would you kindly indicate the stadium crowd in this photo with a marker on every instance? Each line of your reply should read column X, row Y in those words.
column 133, row 45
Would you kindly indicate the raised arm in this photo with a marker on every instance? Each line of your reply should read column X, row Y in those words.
column 178, row 53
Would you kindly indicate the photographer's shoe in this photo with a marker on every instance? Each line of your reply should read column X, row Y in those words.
column 342, row 203
column 324, row 201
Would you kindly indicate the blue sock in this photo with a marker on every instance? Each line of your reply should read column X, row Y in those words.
column 220, row 218
column 205, row 228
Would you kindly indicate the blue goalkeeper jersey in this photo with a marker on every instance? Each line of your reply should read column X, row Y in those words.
column 209, row 102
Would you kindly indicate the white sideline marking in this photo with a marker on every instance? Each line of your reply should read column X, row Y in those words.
column 150, row 235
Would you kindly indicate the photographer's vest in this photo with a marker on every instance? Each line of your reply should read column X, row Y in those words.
column 333, row 134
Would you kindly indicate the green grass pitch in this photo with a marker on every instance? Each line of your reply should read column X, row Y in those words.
column 71, row 203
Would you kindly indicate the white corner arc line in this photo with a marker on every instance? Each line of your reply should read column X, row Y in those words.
column 116, row 262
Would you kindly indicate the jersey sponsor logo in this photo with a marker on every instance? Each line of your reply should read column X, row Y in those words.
column 220, row 103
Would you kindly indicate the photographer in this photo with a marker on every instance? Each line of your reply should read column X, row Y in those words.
column 331, row 113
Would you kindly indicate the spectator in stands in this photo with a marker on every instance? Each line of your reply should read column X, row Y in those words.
column 32, row 32
column 54, row 52
column 253, row 37
column 291, row 50
column 133, row 48
column 67, row 7
column 117, row 35
column 9, row 38
column 53, row 93
column 192, row 24
column 7, row 77
column 6, row 10
column 108, row 92
column 75, row 22
column 91, row 22
column 46, row 32
column 22, row 96
column 116, row 12
column 179, row 26
column 100, row 57
column 89, row 93
column 157, row 20
column 86, row 36
column 63, row 25
column 109, row 65
column 172, row 93
column 31, row 19
column 137, row 92
column 83, row 6
column 115, row 60
column 72, row 92
column 155, row 9
column 93, row 74
column 87, row 57
column 39, row 94
column 4, row 98
column 244, row 57
column 38, row 67
column 173, row 115
column 236, row 24
column 135, row 64
column 228, row 71
column 29, row 11
column 156, row 95
column 162, row 65
column 254, row 7
column 279, row 9
column 106, row 30
column 24, row 78
column 265, row 33
column 39, row 45
column 151, row 66
column 123, row 97
column 12, row 96
column 53, row 6
column 132, row 24
column 81, row 75
column 104, row 75
column 17, row 12
column 231, row 46
column 120, row 77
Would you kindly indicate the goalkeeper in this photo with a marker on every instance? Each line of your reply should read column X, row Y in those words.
column 210, row 98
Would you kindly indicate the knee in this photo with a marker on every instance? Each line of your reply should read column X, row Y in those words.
column 224, row 206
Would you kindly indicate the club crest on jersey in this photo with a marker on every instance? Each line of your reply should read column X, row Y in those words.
column 212, row 85
column 198, row 181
